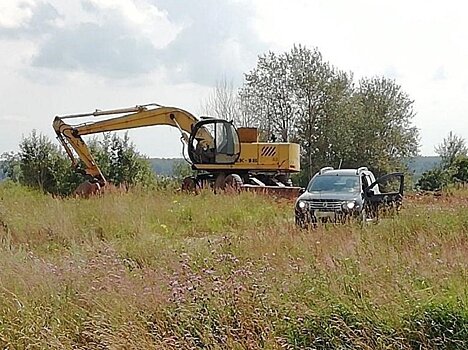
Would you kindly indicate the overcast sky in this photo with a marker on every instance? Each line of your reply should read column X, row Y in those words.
column 74, row 56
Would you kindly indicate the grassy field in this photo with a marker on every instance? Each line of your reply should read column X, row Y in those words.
column 163, row 270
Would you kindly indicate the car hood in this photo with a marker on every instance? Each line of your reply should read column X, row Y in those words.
column 344, row 196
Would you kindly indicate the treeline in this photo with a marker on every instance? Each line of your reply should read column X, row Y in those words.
column 297, row 96
column 41, row 164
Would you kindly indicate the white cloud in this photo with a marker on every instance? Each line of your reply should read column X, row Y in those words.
column 217, row 39
column 92, row 54
column 79, row 50
column 16, row 13
column 116, row 39
column 140, row 17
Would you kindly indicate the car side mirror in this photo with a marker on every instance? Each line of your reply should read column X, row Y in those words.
column 370, row 193
column 302, row 190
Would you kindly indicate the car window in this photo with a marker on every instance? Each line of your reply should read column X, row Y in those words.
column 334, row 183
column 391, row 184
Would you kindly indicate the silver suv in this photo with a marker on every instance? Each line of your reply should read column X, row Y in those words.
column 337, row 195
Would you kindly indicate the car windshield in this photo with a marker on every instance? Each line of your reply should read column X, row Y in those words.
column 334, row 183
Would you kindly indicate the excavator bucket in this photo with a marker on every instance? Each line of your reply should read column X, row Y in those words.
column 87, row 189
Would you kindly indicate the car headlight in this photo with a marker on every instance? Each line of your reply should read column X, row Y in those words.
column 349, row 205
column 301, row 204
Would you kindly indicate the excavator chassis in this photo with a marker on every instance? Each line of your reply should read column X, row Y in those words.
column 274, row 185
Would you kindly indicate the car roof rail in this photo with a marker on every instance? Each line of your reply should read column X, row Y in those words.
column 324, row 169
column 361, row 169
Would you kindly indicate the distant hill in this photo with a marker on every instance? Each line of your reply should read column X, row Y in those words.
column 419, row 165
column 164, row 166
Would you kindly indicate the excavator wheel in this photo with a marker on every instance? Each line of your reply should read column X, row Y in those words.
column 233, row 182
column 189, row 184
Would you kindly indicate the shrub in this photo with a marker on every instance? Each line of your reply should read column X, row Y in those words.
column 43, row 165
column 434, row 180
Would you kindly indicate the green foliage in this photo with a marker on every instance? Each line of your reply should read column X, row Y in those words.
column 297, row 96
column 382, row 126
column 120, row 162
column 440, row 326
column 10, row 166
column 181, row 169
column 453, row 168
column 339, row 328
column 452, row 147
column 433, row 326
column 41, row 164
column 459, row 169
column 433, row 180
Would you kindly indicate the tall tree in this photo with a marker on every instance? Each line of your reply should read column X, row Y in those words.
column 41, row 164
column 296, row 96
column 382, row 125
column 267, row 96
column 120, row 162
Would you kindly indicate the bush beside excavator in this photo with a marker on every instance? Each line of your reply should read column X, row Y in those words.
column 222, row 156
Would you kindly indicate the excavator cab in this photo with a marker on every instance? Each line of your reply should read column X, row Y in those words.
column 223, row 148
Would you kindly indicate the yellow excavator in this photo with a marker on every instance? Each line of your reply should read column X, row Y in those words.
column 220, row 154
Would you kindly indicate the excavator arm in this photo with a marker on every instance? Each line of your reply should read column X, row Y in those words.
column 133, row 117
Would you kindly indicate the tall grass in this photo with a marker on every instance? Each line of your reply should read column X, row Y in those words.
column 162, row 269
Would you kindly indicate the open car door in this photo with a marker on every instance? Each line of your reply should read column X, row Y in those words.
column 384, row 194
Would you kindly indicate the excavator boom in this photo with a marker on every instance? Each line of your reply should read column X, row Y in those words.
column 136, row 117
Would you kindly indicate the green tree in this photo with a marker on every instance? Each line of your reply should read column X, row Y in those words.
column 459, row 169
column 452, row 146
column 10, row 166
column 382, row 126
column 453, row 168
column 40, row 164
column 120, row 162
column 268, row 98
column 296, row 96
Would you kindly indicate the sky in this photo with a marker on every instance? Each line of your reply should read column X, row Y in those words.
column 74, row 56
